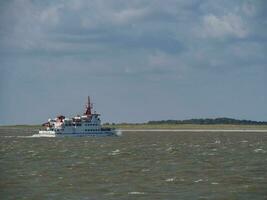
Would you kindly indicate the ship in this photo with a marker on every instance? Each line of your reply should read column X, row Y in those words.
column 88, row 124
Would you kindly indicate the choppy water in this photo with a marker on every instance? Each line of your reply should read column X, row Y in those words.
column 137, row 165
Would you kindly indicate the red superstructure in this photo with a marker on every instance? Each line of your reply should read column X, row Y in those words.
column 89, row 107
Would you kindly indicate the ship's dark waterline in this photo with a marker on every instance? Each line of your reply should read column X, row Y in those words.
column 139, row 165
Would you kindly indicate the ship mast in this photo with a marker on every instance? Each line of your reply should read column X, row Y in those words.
column 89, row 107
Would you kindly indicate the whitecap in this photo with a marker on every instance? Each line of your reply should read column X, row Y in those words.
column 38, row 136
column 115, row 152
column 136, row 193
column 259, row 151
column 118, row 133
column 214, row 183
column 170, row 179
column 34, row 173
column 170, row 149
column 199, row 180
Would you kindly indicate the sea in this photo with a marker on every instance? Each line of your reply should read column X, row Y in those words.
column 135, row 165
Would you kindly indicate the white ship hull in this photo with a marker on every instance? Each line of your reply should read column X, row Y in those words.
column 62, row 134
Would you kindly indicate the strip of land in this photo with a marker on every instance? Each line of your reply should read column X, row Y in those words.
column 222, row 123
column 195, row 130
column 168, row 127
column 212, row 124
column 184, row 127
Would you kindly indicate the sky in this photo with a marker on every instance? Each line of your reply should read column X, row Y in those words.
column 139, row 60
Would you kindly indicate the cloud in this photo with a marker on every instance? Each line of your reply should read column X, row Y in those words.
column 118, row 18
column 171, row 49
column 228, row 25
column 50, row 15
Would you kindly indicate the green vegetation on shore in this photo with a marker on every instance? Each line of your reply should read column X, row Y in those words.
column 210, row 121
column 217, row 123
column 186, row 126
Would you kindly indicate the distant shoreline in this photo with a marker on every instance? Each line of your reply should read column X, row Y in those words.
column 196, row 130
column 222, row 123
column 170, row 127
column 187, row 127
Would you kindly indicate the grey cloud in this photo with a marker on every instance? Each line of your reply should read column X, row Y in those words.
column 200, row 30
column 179, row 50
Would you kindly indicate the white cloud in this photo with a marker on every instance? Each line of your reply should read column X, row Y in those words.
column 129, row 15
column 28, row 25
column 227, row 25
column 50, row 16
